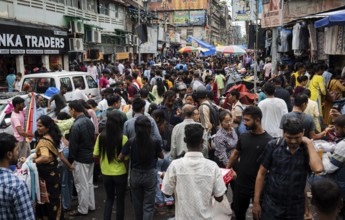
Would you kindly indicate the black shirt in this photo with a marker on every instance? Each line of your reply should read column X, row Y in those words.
column 82, row 140
column 60, row 101
column 283, row 194
column 250, row 147
column 285, row 95
column 131, row 148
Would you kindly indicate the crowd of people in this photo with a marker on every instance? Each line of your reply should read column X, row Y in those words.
column 165, row 129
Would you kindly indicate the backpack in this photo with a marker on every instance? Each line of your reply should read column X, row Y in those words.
column 241, row 127
column 214, row 117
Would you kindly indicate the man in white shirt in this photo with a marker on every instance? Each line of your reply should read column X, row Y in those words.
column 92, row 70
column 121, row 68
column 78, row 93
column 103, row 105
column 178, row 146
column 194, row 179
column 272, row 109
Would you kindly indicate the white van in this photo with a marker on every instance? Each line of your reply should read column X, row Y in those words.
column 40, row 82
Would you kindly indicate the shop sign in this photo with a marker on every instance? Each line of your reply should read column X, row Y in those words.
column 122, row 55
column 27, row 40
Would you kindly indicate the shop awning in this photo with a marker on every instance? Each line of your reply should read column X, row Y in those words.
column 334, row 18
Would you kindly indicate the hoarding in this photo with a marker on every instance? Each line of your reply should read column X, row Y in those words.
column 181, row 18
column 197, row 17
column 241, row 10
column 272, row 13
column 170, row 5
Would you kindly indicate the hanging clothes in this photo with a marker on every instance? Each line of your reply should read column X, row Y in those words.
column 284, row 40
column 300, row 38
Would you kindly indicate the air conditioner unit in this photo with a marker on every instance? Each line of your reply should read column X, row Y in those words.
column 76, row 44
column 77, row 27
column 96, row 37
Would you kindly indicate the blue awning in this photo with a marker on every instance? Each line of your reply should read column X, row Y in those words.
column 335, row 18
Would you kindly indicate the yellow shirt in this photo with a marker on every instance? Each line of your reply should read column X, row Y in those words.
column 115, row 168
column 296, row 75
column 316, row 87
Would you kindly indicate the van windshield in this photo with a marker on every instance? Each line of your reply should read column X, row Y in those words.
column 38, row 84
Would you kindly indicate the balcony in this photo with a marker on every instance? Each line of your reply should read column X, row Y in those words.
column 63, row 9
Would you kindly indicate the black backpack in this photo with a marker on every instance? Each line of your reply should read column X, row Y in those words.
column 214, row 117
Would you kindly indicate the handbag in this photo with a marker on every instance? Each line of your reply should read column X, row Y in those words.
column 332, row 95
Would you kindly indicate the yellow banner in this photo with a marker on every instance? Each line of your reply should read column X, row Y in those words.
column 122, row 56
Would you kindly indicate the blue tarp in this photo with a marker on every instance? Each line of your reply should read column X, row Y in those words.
column 212, row 49
column 338, row 18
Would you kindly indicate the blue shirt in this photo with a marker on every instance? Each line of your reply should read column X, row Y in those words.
column 15, row 202
column 326, row 77
column 10, row 80
column 129, row 128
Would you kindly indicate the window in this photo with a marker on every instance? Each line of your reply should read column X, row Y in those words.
column 39, row 85
column 91, row 82
column 116, row 11
column 103, row 7
column 66, row 82
column 59, row 1
column 91, row 6
column 74, row 3
column 189, row 32
column 80, row 81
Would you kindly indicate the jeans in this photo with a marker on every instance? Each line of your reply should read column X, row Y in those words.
column 162, row 165
column 143, row 187
column 241, row 201
column 66, row 184
column 115, row 186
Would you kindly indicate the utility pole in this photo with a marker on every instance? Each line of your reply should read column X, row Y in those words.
column 139, row 55
column 256, row 45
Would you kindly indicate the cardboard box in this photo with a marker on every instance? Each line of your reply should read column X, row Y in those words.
column 227, row 175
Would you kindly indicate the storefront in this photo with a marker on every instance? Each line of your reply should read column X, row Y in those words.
column 25, row 47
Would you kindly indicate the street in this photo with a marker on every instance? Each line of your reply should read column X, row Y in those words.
column 160, row 214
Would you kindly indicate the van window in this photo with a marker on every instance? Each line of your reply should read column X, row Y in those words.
column 66, row 81
column 79, row 80
column 91, row 82
column 38, row 85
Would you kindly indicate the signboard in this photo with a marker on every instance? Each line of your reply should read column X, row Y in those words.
column 151, row 45
column 271, row 13
column 170, row 5
column 241, row 10
column 197, row 17
column 298, row 8
column 27, row 40
column 122, row 55
column 181, row 18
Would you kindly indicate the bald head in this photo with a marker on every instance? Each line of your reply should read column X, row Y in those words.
column 187, row 110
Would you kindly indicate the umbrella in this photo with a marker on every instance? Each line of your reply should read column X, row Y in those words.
column 246, row 97
column 232, row 49
column 335, row 18
column 188, row 49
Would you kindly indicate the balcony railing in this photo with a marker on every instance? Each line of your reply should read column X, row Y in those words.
column 68, row 10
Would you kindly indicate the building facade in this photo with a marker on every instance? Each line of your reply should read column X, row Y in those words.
column 48, row 33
